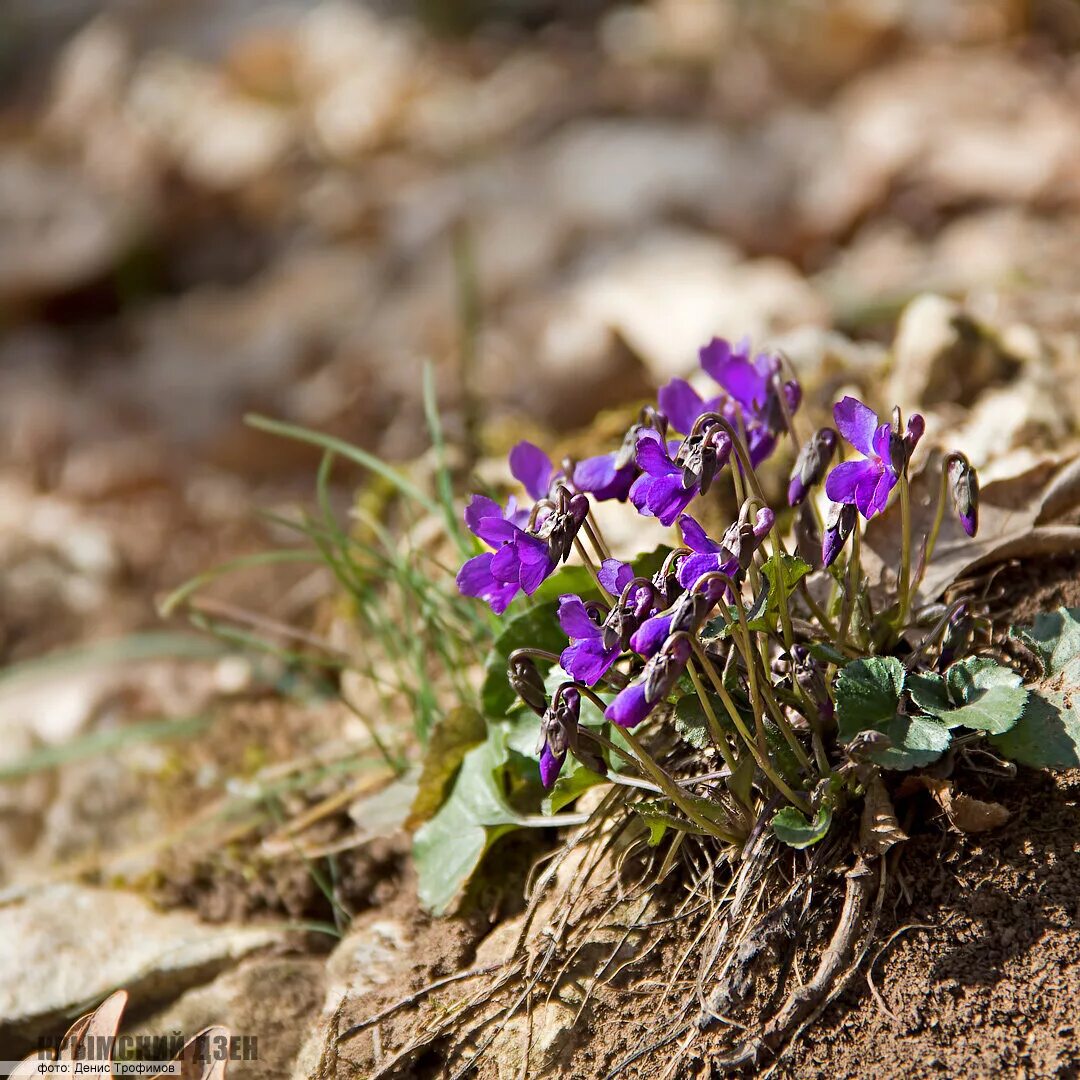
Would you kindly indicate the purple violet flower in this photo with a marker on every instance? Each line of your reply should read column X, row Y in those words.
column 588, row 657
column 660, row 490
column 615, row 576
column 866, row 484
column 603, row 477
column 519, row 561
column 682, row 404
column 730, row 556
column 709, row 556
column 660, row 674
column 532, row 469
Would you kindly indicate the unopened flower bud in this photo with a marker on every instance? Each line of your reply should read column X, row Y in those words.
column 526, row 682
column 663, row 670
column 811, row 464
column 561, row 526
column 763, row 523
column 690, row 611
column 964, row 484
column 838, row 527
column 559, row 724
column 916, row 425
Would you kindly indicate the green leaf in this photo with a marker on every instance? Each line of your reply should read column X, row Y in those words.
column 976, row 693
column 916, row 740
column 659, row 816
column 1048, row 733
column 792, row 828
column 929, row 693
column 448, row 848
column 794, row 570
column 536, row 628
column 762, row 614
column 572, row 782
column 691, row 722
column 868, row 694
column 868, row 697
column 457, row 732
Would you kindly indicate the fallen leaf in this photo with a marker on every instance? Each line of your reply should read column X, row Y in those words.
column 878, row 830
column 965, row 813
column 1015, row 521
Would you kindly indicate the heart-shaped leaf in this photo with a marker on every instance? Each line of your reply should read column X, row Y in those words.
column 868, row 694
column 976, row 693
column 1048, row 733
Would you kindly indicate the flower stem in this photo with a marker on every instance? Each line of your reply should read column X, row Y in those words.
column 675, row 794
column 596, row 537
column 715, row 729
column 762, row 760
column 853, row 573
column 579, row 547
column 939, row 514
column 904, row 586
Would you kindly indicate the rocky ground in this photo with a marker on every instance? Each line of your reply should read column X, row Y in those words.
column 290, row 209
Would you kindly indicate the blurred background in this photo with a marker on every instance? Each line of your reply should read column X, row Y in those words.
column 210, row 208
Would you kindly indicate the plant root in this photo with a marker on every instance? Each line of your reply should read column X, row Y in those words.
column 808, row 1000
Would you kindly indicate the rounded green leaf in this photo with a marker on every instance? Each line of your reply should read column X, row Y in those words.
column 793, row 829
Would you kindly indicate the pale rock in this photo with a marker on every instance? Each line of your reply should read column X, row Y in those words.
column 371, row 955
column 56, row 229
column 74, row 944
column 218, row 137
column 536, row 1041
column 673, row 291
column 354, row 72
column 272, row 1000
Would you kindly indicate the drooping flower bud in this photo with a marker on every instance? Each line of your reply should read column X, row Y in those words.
column 702, row 456
column 810, row 465
column 691, row 608
column 558, row 733
column 561, row 526
column 838, row 527
column 525, row 680
column 662, row 672
column 916, row 425
column 964, row 484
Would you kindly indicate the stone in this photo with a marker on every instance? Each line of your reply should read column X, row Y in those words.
column 271, row 999
column 64, row 945
column 672, row 291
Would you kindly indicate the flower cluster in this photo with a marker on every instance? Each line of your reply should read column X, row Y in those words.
column 638, row 637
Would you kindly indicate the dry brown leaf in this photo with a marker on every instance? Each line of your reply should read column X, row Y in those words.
column 878, row 830
column 1015, row 516
column 965, row 813
column 200, row 1058
column 974, row 816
